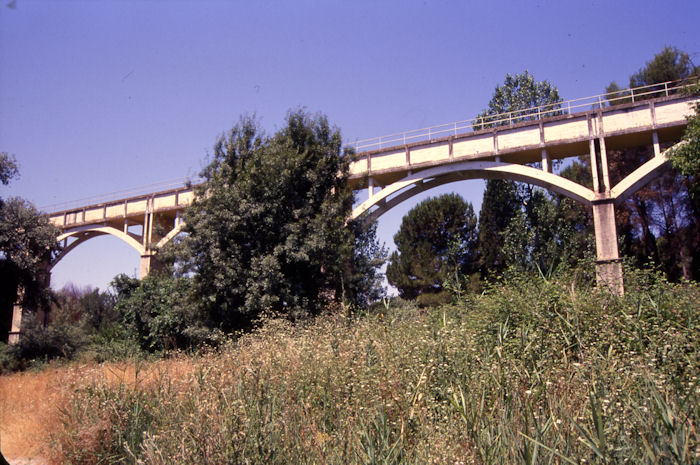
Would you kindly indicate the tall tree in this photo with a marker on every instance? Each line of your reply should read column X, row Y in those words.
column 437, row 237
column 267, row 230
column 27, row 245
column 513, row 101
column 686, row 158
column 499, row 207
column 551, row 230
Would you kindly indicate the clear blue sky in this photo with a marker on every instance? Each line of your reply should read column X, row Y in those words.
column 99, row 96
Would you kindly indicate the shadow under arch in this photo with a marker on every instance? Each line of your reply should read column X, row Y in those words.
column 433, row 177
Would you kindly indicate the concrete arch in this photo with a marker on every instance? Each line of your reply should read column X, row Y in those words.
column 168, row 237
column 433, row 177
column 642, row 176
column 85, row 233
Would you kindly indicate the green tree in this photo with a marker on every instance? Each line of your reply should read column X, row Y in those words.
column 437, row 237
column 156, row 311
column 670, row 64
column 686, row 158
column 515, row 100
column 551, row 231
column 267, row 231
column 503, row 200
column 27, row 245
column 499, row 207
column 363, row 282
column 8, row 168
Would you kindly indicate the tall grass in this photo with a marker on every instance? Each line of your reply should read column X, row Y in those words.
column 533, row 371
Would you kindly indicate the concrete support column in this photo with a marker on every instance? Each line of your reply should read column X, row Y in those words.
column 370, row 187
column 546, row 162
column 19, row 311
column 594, row 166
column 608, row 264
column 149, row 262
column 655, row 142
column 604, row 164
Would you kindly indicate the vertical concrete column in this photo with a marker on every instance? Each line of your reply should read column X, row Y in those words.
column 608, row 264
column 19, row 311
column 149, row 262
column 546, row 162
column 655, row 142
column 604, row 164
column 594, row 166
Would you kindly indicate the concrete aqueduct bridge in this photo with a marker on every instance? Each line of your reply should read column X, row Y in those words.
column 517, row 146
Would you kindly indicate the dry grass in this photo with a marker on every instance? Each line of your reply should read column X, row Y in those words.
column 30, row 401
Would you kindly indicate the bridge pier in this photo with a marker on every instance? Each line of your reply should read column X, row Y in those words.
column 20, row 311
column 15, row 329
column 149, row 262
column 608, row 263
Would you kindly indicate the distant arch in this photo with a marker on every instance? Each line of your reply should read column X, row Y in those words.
column 433, row 177
column 82, row 234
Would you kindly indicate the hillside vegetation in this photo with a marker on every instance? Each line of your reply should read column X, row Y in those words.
column 533, row 371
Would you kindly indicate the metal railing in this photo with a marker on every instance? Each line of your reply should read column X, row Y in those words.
column 528, row 114
column 114, row 196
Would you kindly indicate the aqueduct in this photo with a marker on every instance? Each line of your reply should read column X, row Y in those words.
column 517, row 146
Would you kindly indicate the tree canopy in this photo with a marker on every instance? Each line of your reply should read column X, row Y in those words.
column 518, row 94
column 267, row 230
column 8, row 168
column 499, row 206
column 437, row 237
column 686, row 157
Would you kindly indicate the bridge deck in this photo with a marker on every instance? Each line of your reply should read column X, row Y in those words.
column 561, row 136
column 129, row 210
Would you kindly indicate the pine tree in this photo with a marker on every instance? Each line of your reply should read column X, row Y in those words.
column 437, row 237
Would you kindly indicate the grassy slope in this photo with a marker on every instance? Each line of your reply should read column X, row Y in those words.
column 533, row 372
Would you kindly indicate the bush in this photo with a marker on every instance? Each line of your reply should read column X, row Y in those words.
column 158, row 314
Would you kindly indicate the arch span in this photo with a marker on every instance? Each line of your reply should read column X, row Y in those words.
column 643, row 175
column 168, row 237
column 85, row 233
column 437, row 176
